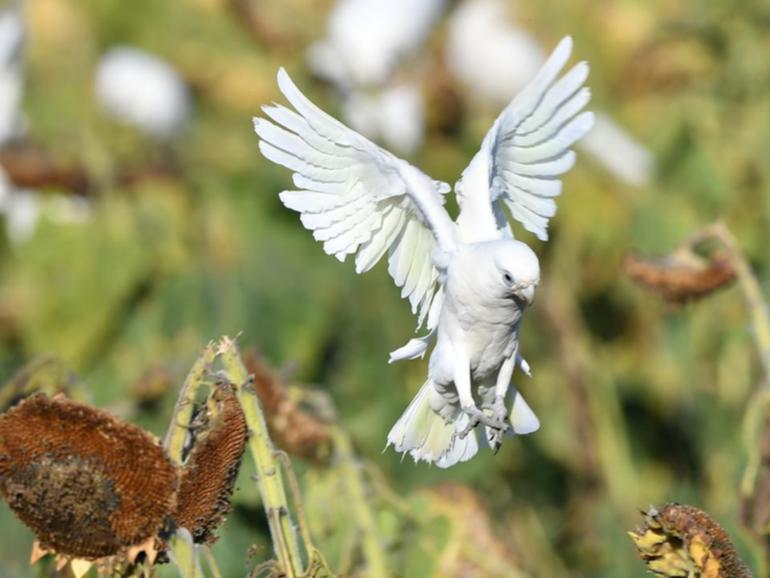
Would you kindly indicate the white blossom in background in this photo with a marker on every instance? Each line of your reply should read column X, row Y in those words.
column 12, row 34
column 493, row 58
column 396, row 114
column 366, row 42
column 22, row 209
column 622, row 155
column 367, row 39
column 140, row 89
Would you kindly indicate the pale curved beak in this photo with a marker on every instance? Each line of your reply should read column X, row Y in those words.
column 527, row 294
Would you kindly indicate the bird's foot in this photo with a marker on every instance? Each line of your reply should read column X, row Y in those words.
column 495, row 439
column 476, row 417
column 500, row 413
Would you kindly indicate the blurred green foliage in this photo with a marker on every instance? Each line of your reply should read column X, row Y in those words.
column 640, row 402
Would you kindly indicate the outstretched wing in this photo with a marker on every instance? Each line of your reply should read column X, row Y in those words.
column 527, row 149
column 358, row 198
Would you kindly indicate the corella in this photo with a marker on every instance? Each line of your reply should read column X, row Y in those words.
column 469, row 281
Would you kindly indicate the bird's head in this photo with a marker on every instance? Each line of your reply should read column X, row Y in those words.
column 518, row 270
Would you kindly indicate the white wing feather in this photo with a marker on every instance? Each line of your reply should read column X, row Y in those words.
column 357, row 198
column 526, row 151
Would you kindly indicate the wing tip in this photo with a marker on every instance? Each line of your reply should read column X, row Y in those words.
column 286, row 84
column 564, row 46
column 589, row 120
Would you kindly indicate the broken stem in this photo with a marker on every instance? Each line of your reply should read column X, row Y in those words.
column 178, row 428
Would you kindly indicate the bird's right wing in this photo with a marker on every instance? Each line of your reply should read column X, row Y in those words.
column 526, row 151
column 358, row 198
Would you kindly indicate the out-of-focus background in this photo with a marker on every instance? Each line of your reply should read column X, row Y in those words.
column 139, row 222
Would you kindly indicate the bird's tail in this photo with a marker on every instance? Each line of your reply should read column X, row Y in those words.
column 427, row 430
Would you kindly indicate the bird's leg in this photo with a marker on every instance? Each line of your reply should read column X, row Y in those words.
column 501, row 386
column 499, row 411
column 462, row 379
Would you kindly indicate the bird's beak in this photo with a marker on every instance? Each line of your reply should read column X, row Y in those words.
column 527, row 294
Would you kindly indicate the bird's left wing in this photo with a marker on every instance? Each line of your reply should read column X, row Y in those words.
column 358, row 198
column 527, row 150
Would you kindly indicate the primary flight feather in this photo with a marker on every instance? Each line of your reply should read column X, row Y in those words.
column 468, row 281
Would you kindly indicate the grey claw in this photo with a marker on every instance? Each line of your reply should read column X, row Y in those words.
column 500, row 412
column 498, row 421
column 473, row 421
column 495, row 440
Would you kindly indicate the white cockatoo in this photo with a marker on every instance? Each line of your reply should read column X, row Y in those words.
column 469, row 281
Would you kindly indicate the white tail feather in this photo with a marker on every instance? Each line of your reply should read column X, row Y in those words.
column 523, row 419
column 429, row 437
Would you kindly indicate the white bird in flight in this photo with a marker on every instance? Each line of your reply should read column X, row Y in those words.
column 469, row 281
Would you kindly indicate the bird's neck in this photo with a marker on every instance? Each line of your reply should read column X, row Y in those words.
column 476, row 221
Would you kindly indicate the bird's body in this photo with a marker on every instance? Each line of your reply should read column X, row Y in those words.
column 483, row 317
column 469, row 281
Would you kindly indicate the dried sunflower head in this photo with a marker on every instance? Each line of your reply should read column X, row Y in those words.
column 295, row 427
column 679, row 540
column 88, row 484
column 681, row 276
column 209, row 476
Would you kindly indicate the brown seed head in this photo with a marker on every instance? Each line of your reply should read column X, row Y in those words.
column 88, row 484
column 678, row 540
column 293, row 427
column 211, row 471
column 679, row 279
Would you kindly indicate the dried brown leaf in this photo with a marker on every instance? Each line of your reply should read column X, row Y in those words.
column 29, row 165
column 680, row 277
column 478, row 550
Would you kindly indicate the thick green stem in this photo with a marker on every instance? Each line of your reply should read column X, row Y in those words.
column 269, row 475
column 750, row 287
column 359, row 504
column 755, row 303
column 755, row 421
column 184, row 555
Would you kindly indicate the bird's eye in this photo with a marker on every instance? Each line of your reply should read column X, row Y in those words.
column 508, row 278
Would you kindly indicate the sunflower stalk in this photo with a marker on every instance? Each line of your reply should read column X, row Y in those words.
column 750, row 288
column 269, row 473
column 756, row 421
